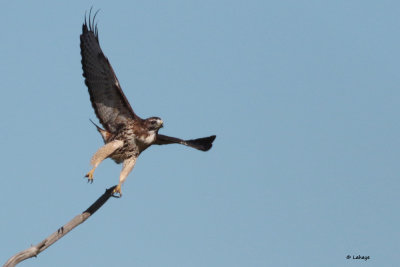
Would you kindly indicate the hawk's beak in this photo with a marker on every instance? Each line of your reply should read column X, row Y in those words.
column 162, row 124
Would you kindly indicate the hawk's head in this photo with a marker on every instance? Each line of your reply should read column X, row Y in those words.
column 153, row 124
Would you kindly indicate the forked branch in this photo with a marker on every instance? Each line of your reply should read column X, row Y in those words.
column 62, row 231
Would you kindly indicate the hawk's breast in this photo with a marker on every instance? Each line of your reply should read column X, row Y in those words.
column 130, row 147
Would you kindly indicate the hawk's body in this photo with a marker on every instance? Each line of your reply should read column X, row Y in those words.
column 126, row 135
column 131, row 146
column 135, row 140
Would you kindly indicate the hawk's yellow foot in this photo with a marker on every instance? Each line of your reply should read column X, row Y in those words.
column 89, row 175
column 117, row 190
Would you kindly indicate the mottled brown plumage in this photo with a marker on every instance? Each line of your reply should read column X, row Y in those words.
column 125, row 134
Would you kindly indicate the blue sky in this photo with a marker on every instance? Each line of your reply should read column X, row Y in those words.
column 302, row 95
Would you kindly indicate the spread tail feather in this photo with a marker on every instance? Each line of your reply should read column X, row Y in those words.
column 106, row 135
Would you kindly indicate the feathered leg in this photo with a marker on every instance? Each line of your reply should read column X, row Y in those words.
column 101, row 155
column 126, row 169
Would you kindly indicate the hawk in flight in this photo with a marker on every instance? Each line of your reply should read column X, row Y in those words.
column 125, row 134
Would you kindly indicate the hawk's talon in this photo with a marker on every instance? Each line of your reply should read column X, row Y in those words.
column 116, row 191
column 89, row 176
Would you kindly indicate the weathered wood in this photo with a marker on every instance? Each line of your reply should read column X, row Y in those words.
column 62, row 231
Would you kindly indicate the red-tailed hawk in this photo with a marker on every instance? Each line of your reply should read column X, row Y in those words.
column 125, row 134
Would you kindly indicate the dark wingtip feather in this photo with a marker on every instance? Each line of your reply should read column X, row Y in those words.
column 203, row 144
column 89, row 24
column 90, row 14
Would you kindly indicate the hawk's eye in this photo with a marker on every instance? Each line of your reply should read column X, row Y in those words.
column 153, row 122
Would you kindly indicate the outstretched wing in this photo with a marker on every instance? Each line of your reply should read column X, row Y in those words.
column 203, row 144
column 108, row 101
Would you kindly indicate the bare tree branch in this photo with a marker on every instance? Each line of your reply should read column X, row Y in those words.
column 62, row 231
